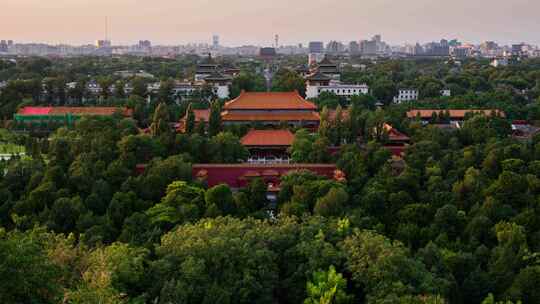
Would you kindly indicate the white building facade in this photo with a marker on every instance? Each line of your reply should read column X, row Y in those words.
column 406, row 95
column 343, row 90
column 446, row 93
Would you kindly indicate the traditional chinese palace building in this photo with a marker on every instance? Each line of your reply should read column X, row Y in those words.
column 328, row 68
column 270, row 109
column 268, row 146
column 240, row 175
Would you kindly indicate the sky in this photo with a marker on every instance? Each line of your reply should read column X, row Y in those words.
column 240, row 22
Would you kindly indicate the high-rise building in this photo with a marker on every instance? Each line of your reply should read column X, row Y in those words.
column 316, row 47
column 489, row 45
column 354, row 48
column 3, row 46
column 215, row 41
column 368, row 47
column 418, row 49
column 441, row 48
column 103, row 43
column 334, row 47
column 462, row 52
column 145, row 44
column 517, row 49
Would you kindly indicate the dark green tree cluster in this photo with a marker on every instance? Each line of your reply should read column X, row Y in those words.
column 103, row 212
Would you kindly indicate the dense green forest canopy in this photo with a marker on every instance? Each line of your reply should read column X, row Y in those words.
column 456, row 221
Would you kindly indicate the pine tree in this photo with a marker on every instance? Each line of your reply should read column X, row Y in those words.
column 160, row 121
column 214, row 123
column 324, row 127
column 190, row 120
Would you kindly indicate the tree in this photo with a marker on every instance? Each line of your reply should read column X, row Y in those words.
column 301, row 148
column 508, row 257
column 525, row 285
column 160, row 121
column 220, row 196
column 249, row 82
column 375, row 126
column 113, row 272
column 219, row 260
column 257, row 190
column 33, row 278
column 327, row 287
column 165, row 91
column 105, row 84
column 122, row 206
column 337, row 130
column 190, row 120
column 383, row 90
column 327, row 100
column 384, row 269
column 65, row 213
column 225, row 147
column 288, row 81
column 139, row 87
column 491, row 300
column 119, row 89
column 319, row 151
column 137, row 149
column 182, row 203
column 214, row 120
column 333, row 203
column 325, row 123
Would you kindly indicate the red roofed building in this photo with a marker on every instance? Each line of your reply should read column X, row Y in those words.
column 453, row 115
column 397, row 141
column 267, row 109
column 239, row 175
column 66, row 114
column 271, row 108
column 268, row 146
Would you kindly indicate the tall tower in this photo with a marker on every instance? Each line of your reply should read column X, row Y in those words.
column 215, row 41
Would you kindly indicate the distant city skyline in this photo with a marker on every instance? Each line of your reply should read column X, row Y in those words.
column 241, row 22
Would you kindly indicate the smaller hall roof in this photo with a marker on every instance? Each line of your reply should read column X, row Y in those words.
column 326, row 61
column 394, row 134
column 216, row 76
column 318, row 76
column 269, row 101
column 202, row 115
column 268, row 138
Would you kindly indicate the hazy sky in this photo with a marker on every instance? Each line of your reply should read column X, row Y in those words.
column 256, row 21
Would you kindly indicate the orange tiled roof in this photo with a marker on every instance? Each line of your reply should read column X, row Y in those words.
column 200, row 115
column 270, row 172
column 394, row 134
column 453, row 113
column 268, row 138
column 203, row 115
column 269, row 101
column 270, row 116
column 105, row 111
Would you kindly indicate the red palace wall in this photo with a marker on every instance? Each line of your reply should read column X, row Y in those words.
column 234, row 175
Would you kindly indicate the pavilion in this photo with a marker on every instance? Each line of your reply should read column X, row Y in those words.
column 268, row 146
